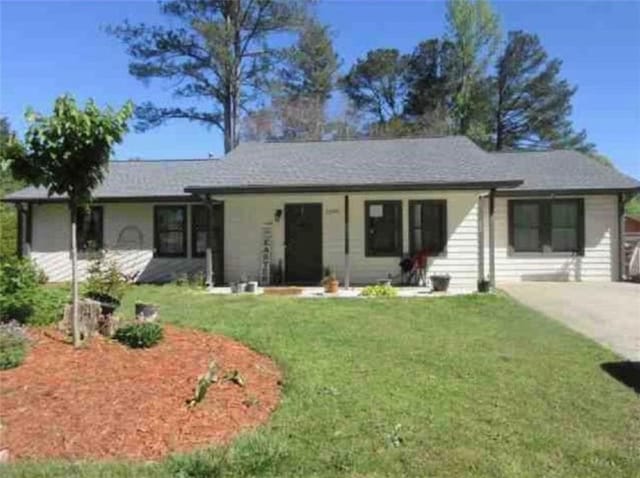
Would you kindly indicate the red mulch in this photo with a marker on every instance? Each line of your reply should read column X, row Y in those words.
column 109, row 401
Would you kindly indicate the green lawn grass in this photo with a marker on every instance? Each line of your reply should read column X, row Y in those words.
column 463, row 386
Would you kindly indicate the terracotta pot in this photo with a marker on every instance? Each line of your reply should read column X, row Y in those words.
column 331, row 286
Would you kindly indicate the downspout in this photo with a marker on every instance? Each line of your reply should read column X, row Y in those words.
column 347, row 258
column 492, row 240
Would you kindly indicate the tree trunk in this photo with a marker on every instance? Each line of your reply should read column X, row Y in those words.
column 74, row 275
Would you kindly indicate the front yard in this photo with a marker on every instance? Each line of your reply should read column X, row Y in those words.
column 461, row 386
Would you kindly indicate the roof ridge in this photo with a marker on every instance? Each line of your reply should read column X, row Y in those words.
column 353, row 140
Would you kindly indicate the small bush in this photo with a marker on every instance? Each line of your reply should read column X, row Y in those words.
column 139, row 335
column 48, row 306
column 201, row 464
column 105, row 282
column 379, row 290
column 18, row 289
column 13, row 345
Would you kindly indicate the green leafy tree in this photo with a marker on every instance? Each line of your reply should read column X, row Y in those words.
column 306, row 82
column 532, row 103
column 430, row 82
column 633, row 206
column 220, row 55
column 10, row 147
column 68, row 154
column 472, row 28
column 376, row 84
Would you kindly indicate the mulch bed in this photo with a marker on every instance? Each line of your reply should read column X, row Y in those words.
column 107, row 401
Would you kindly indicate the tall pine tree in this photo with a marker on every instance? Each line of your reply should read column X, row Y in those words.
column 532, row 102
column 219, row 56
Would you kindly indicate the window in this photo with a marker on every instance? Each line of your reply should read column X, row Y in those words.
column 427, row 226
column 383, row 228
column 89, row 229
column 170, row 231
column 555, row 225
column 199, row 223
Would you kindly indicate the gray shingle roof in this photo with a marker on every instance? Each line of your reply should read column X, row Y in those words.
column 452, row 161
column 562, row 170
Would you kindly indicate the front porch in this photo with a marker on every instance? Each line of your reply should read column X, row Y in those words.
column 310, row 292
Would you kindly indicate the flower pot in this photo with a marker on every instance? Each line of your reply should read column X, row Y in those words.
column 252, row 287
column 108, row 304
column 331, row 286
column 146, row 312
column 484, row 286
column 440, row 283
column 241, row 287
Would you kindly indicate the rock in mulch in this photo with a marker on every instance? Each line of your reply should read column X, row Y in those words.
column 107, row 401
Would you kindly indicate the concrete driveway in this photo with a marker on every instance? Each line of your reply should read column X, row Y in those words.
column 608, row 313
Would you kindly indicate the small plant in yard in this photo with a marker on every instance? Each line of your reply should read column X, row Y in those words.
column 379, row 290
column 105, row 282
column 13, row 345
column 394, row 438
column 139, row 334
column 234, row 377
column 18, row 289
column 204, row 382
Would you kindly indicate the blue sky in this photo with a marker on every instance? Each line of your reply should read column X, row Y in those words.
column 51, row 47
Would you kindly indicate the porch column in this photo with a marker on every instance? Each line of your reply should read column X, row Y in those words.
column 209, row 279
column 347, row 258
column 621, row 254
column 492, row 240
column 480, row 238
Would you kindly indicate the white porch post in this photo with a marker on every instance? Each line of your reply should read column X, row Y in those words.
column 492, row 240
column 621, row 254
column 347, row 258
column 209, row 279
column 480, row 239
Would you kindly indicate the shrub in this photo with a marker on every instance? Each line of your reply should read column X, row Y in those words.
column 139, row 334
column 13, row 345
column 379, row 290
column 18, row 289
column 105, row 282
column 48, row 306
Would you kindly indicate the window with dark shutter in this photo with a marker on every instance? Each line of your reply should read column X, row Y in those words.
column 428, row 226
column 89, row 229
column 170, row 231
column 555, row 225
column 383, row 233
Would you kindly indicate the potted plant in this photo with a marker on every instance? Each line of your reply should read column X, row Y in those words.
column 484, row 285
column 330, row 282
column 440, row 282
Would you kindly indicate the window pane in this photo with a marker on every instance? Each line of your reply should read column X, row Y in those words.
column 89, row 229
column 417, row 215
column 564, row 226
column 170, row 224
column 200, row 217
column 526, row 227
column 432, row 228
column 383, row 229
column 171, row 242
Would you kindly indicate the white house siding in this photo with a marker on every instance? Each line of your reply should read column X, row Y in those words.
column 600, row 260
column 51, row 239
column 244, row 216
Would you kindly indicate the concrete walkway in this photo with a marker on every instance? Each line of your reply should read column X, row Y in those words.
column 608, row 313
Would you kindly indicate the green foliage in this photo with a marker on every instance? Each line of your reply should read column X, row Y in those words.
column 13, row 345
column 219, row 53
column 9, row 148
column 633, row 206
column 532, row 104
column 204, row 382
column 473, row 29
column 379, row 290
column 139, row 334
column 48, row 306
column 18, row 289
column 105, row 282
column 376, row 83
column 210, row 463
column 68, row 152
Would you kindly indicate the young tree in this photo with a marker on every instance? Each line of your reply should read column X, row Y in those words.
column 219, row 56
column 68, row 153
column 376, row 84
column 532, row 104
column 472, row 27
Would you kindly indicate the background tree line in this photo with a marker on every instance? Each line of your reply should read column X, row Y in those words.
column 226, row 60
